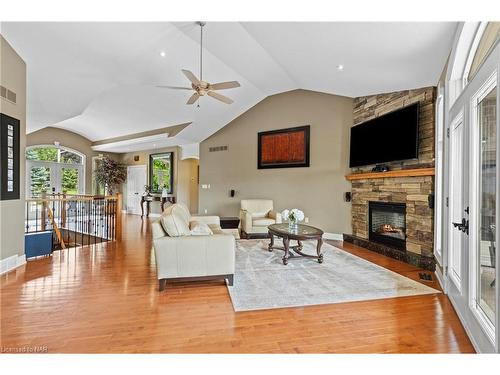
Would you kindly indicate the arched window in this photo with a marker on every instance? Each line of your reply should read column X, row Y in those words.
column 51, row 169
column 468, row 38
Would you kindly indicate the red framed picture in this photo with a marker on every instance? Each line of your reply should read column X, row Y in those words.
column 284, row 148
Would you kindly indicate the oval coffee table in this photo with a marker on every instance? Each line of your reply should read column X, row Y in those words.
column 299, row 233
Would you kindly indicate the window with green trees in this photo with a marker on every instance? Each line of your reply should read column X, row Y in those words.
column 53, row 169
column 160, row 172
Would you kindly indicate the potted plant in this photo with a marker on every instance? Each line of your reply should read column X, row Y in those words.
column 110, row 173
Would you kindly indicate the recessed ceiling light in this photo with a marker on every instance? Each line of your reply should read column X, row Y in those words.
column 340, row 67
column 163, row 54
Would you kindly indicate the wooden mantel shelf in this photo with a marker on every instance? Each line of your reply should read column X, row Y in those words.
column 392, row 174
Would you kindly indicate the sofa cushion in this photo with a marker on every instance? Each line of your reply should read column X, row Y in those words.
column 182, row 209
column 173, row 221
column 263, row 222
column 200, row 229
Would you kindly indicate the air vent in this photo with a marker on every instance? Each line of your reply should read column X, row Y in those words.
column 8, row 95
column 217, row 148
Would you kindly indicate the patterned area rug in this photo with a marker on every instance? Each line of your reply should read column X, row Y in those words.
column 261, row 280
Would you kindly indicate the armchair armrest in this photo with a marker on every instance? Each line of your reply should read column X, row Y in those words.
column 206, row 219
column 246, row 221
column 276, row 216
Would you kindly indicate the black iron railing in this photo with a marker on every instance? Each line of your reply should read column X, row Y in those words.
column 75, row 220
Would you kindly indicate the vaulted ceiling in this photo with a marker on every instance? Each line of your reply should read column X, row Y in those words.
column 98, row 79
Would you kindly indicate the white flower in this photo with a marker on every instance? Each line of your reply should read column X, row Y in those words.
column 298, row 214
column 285, row 214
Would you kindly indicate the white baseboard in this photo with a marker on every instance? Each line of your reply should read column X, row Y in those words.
column 12, row 262
column 440, row 279
column 465, row 325
column 333, row 236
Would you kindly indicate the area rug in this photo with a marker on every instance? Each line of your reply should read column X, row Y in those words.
column 261, row 280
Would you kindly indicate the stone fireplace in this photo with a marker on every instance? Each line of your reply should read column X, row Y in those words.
column 387, row 224
column 405, row 205
column 404, row 192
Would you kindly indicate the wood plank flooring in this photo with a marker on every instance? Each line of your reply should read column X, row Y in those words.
column 104, row 299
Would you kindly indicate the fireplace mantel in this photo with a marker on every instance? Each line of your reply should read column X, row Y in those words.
column 416, row 172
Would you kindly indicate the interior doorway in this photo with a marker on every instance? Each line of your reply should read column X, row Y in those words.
column 136, row 180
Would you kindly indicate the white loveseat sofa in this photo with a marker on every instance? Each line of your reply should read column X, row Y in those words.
column 182, row 256
column 256, row 215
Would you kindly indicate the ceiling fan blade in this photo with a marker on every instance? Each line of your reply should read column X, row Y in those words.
column 193, row 98
column 225, row 85
column 191, row 77
column 175, row 87
column 220, row 97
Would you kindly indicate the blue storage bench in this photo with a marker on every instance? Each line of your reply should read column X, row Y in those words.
column 38, row 243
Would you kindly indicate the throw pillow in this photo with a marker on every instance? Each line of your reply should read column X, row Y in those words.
column 200, row 229
column 174, row 222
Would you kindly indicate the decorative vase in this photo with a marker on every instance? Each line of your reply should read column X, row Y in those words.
column 292, row 224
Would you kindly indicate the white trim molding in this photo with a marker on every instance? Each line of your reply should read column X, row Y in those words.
column 12, row 262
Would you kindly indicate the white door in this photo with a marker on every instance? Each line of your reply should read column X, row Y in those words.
column 473, row 216
column 136, row 179
column 457, row 206
column 53, row 177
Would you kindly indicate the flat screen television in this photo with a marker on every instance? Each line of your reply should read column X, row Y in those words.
column 391, row 137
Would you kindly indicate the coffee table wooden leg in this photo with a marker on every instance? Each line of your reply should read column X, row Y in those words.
column 286, row 243
column 318, row 250
column 271, row 244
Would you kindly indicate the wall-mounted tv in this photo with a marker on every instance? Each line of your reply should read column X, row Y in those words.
column 391, row 137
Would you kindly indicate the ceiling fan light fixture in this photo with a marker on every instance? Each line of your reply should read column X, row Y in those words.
column 201, row 87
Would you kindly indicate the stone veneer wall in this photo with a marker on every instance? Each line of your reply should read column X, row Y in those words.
column 413, row 191
column 370, row 107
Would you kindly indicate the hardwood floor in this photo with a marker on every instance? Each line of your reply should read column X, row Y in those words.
column 104, row 298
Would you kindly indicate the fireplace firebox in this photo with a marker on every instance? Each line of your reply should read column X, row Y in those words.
column 387, row 224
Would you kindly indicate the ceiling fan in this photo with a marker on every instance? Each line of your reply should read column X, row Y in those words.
column 202, row 87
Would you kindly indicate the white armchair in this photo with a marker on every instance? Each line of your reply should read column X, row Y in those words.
column 256, row 215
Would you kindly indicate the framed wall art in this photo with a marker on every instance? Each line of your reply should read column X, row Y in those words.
column 9, row 157
column 284, row 148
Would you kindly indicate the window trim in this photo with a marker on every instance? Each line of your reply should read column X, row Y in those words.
column 151, row 157
column 81, row 167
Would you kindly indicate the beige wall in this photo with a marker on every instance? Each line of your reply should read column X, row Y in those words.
column 317, row 190
column 188, row 183
column 49, row 135
column 13, row 76
column 182, row 176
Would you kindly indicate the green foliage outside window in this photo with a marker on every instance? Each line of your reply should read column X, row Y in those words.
column 70, row 181
column 40, row 176
column 40, row 181
column 161, row 172
column 51, row 154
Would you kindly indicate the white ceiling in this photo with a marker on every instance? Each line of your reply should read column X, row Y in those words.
column 98, row 79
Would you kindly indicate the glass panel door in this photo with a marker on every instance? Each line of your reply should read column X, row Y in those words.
column 486, row 248
column 39, row 180
column 70, row 180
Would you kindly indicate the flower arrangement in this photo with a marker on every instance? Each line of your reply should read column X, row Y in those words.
column 293, row 216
